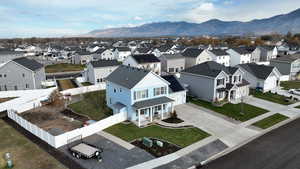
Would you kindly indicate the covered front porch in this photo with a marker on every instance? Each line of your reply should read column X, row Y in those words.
column 153, row 109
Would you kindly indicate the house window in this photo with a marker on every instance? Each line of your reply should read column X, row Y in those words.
column 0, row 75
column 16, row 87
column 109, row 100
column 235, row 79
column 171, row 69
column 160, row 91
column 4, row 75
column 27, row 86
column 23, row 75
column 115, row 90
column 98, row 80
column 120, row 90
column 220, row 82
column 5, row 87
column 141, row 94
column 240, row 78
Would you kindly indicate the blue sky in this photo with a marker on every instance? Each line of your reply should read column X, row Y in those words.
column 55, row 18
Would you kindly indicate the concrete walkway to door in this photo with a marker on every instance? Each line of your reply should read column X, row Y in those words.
column 229, row 133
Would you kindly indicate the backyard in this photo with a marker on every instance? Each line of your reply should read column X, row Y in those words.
column 93, row 105
column 290, row 85
column 25, row 154
column 2, row 100
column 180, row 137
column 272, row 97
column 270, row 121
column 66, row 84
column 63, row 67
column 241, row 112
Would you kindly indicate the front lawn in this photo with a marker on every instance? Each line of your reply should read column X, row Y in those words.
column 272, row 97
column 180, row 137
column 63, row 67
column 270, row 121
column 290, row 85
column 25, row 154
column 232, row 110
column 93, row 105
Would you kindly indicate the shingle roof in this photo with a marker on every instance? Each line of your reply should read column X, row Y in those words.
column 105, row 63
column 219, row 52
column 192, row 52
column 210, row 68
column 152, row 102
column 145, row 58
column 127, row 76
column 287, row 58
column 266, row 47
column 29, row 63
column 259, row 71
column 173, row 56
column 242, row 50
column 143, row 50
column 123, row 49
column 175, row 86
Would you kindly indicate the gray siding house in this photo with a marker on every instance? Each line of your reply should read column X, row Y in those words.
column 172, row 63
column 288, row 66
column 21, row 74
column 211, row 81
column 97, row 71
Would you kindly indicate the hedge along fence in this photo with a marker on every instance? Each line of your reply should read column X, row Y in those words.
column 63, row 139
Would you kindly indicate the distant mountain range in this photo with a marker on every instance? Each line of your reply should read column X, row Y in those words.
column 279, row 24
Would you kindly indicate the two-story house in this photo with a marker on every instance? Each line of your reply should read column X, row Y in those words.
column 265, row 53
column 239, row 56
column 220, row 56
column 144, row 61
column 121, row 53
column 103, row 54
column 193, row 56
column 141, row 93
column 172, row 63
column 288, row 66
column 261, row 77
column 97, row 71
column 212, row 82
column 21, row 74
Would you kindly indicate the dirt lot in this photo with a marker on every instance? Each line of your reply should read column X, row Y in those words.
column 2, row 100
column 53, row 115
column 66, row 84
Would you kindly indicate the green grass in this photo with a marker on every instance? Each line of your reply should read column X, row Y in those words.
column 86, row 84
column 290, row 85
column 271, row 97
column 233, row 110
column 63, row 67
column 270, row 121
column 181, row 137
column 93, row 105
column 25, row 154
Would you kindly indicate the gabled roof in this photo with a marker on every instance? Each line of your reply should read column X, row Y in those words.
column 242, row 50
column 268, row 48
column 192, row 52
column 210, row 69
column 172, row 56
column 105, row 63
column 287, row 58
column 127, row 76
column 259, row 71
column 100, row 51
column 219, row 52
column 145, row 58
column 143, row 50
column 175, row 85
column 123, row 49
column 28, row 63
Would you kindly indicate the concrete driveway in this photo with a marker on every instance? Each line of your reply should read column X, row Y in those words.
column 229, row 133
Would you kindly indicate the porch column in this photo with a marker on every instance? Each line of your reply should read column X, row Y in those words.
column 161, row 112
column 139, row 116
column 172, row 108
column 229, row 95
column 151, row 114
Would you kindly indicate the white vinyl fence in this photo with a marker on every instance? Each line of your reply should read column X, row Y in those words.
column 63, row 139
column 85, row 89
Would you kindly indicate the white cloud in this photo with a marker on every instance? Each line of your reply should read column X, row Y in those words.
column 202, row 12
column 137, row 18
column 207, row 6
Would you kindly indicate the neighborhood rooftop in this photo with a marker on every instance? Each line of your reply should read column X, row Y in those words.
column 219, row 52
column 210, row 68
column 145, row 58
column 287, row 58
column 127, row 76
column 105, row 63
column 175, row 85
column 192, row 52
column 259, row 71
column 29, row 63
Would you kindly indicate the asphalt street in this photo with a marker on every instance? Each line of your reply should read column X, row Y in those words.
column 279, row 149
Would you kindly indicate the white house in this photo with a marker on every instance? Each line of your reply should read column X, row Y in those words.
column 144, row 61
column 239, row 56
column 104, row 54
column 261, row 77
column 121, row 53
column 194, row 56
column 176, row 91
column 97, row 71
column 141, row 93
column 219, row 55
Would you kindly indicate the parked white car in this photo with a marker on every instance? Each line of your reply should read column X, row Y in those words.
column 295, row 91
